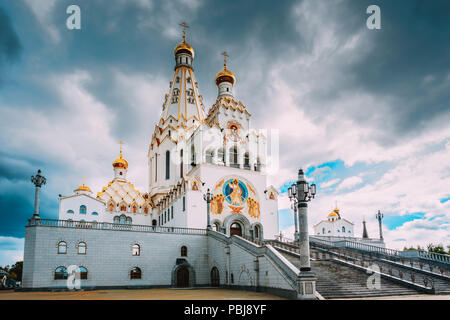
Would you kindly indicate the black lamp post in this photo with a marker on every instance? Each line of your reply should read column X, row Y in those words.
column 38, row 180
column 379, row 217
column 303, row 193
column 207, row 197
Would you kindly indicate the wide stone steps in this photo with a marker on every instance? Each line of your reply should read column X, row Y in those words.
column 339, row 281
column 440, row 285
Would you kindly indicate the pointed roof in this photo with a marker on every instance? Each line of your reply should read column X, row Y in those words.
column 183, row 102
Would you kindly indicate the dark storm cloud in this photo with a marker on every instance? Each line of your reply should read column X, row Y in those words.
column 10, row 47
column 409, row 65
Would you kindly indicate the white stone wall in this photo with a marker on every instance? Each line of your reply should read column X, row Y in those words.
column 334, row 228
column 109, row 257
column 74, row 202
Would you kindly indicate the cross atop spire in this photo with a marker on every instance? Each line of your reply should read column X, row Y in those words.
column 184, row 25
column 121, row 143
column 225, row 56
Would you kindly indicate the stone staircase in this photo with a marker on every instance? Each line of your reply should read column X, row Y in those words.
column 335, row 280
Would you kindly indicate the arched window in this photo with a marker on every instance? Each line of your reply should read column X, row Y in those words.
column 323, row 230
column 184, row 251
column 209, row 156
column 146, row 210
column 70, row 212
column 122, row 219
column 83, row 273
column 95, row 213
column 247, row 161
column 116, row 219
column 62, row 247
column 221, row 155
column 82, row 248
column 111, row 206
column 154, row 222
column 136, row 250
column 167, row 165
column 234, row 157
column 123, row 207
column 128, row 220
column 61, row 273
column 257, row 232
column 343, row 229
column 134, row 208
column 135, row 273
column 215, row 226
column 83, row 209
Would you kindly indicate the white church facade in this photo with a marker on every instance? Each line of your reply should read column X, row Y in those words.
column 123, row 237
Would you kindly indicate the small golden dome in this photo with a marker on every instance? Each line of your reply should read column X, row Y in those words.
column 184, row 46
column 83, row 188
column 333, row 214
column 120, row 162
column 225, row 75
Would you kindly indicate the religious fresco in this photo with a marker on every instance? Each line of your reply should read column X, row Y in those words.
column 238, row 195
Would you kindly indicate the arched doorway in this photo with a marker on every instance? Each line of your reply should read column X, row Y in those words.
column 235, row 229
column 215, row 277
column 182, row 277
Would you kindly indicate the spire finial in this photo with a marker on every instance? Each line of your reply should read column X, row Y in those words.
column 184, row 25
column 225, row 56
column 335, row 204
column 121, row 143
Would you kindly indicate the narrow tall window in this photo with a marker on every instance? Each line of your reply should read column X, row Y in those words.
column 181, row 163
column 156, row 167
column 171, row 211
column 83, row 209
column 167, row 165
column 183, row 251
column 184, row 203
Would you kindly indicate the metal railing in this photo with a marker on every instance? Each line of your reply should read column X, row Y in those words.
column 112, row 226
column 391, row 253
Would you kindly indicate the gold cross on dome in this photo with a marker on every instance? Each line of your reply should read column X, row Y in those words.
column 225, row 56
column 184, row 25
column 121, row 143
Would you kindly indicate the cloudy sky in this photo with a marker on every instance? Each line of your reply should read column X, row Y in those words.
column 365, row 112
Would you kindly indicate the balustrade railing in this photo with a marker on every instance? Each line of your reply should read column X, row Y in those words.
column 112, row 226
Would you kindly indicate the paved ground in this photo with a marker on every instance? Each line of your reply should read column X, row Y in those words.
column 141, row 294
column 407, row 297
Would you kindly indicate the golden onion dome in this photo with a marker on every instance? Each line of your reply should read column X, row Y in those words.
column 184, row 47
column 225, row 75
column 83, row 188
column 332, row 214
column 120, row 162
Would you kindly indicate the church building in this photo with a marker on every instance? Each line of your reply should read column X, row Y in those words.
column 124, row 237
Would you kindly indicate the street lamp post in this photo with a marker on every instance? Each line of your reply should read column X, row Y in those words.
column 379, row 217
column 38, row 180
column 207, row 197
column 294, row 207
column 303, row 193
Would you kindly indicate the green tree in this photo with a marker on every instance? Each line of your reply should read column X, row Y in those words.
column 16, row 271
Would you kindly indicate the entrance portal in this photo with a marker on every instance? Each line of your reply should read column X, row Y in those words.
column 235, row 229
column 215, row 277
column 182, row 277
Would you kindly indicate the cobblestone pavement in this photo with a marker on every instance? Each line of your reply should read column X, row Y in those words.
column 140, row 294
